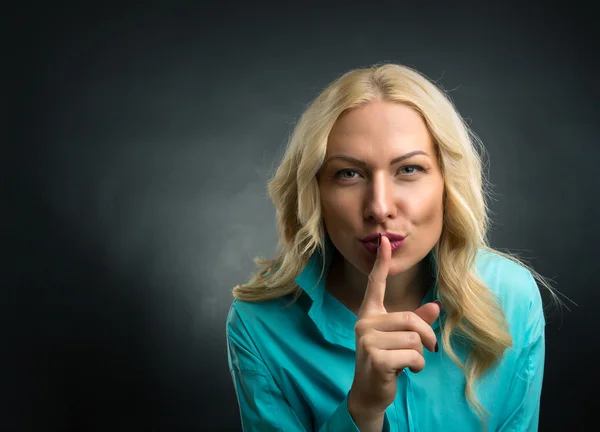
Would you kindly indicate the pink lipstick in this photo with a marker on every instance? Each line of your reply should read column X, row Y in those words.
column 371, row 242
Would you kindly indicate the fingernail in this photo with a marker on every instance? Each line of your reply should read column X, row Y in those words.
column 439, row 303
column 436, row 347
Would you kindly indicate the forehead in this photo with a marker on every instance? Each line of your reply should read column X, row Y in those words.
column 379, row 128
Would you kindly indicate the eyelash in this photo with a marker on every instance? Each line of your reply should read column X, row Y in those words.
column 340, row 172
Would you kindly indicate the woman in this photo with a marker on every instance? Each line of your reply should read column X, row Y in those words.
column 385, row 309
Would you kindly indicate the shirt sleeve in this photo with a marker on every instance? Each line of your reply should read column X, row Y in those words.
column 262, row 405
column 529, row 375
column 529, row 389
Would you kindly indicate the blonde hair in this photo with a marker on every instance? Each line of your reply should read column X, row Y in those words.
column 472, row 310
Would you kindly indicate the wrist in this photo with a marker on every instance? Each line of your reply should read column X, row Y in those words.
column 362, row 410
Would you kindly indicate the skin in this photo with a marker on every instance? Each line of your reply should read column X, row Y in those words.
column 386, row 343
column 384, row 290
column 405, row 198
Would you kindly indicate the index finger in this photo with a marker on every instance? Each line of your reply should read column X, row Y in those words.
column 375, row 291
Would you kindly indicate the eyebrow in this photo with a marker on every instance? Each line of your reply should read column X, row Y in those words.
column 364, row 164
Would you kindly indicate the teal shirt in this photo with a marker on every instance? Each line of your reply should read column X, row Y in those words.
column 292, row 364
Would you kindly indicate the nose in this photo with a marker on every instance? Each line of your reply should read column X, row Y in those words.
column 379, row 205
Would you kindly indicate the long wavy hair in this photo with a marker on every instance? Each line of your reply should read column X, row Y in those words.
column 472, row 310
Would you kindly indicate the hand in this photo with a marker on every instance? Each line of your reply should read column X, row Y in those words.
column 386, row 343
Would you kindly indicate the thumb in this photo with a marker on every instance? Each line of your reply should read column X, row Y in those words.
column 430, row 311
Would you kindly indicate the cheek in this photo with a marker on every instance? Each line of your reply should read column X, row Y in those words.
column 428, row 208
column 336, row 217
column 339, row 216
column 337, row 205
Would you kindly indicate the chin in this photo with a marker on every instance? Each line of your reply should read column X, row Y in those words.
column 401, row 264
column 402, row 260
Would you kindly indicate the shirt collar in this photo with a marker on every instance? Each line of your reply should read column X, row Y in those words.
column 313, row 276
column 332, row 318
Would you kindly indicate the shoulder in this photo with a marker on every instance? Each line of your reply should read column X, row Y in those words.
column 257, row 319
column 260, row 311
column 256, row 330
column 518, row 293
column 243, row 314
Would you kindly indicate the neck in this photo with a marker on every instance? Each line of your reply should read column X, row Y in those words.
column 404, row 291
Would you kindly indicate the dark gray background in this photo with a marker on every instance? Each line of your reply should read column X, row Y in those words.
column 139, row 145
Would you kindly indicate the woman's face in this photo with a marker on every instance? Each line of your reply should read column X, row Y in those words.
column 381, row 175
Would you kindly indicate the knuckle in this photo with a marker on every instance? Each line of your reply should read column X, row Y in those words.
column 371, row 279
column 365, row 343
column 409, row 318
column 377, row 360
column 413, row 338
column 361, row 327
column 416, row 362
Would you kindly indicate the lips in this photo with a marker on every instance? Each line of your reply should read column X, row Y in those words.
column 371, row 242
column 374, row 238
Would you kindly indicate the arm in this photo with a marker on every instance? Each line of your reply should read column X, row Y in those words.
column 529, row 389
column 262, row 405
column 529, row 372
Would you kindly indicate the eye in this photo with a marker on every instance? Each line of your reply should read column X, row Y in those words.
column 345, row 174
column 411, row 169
